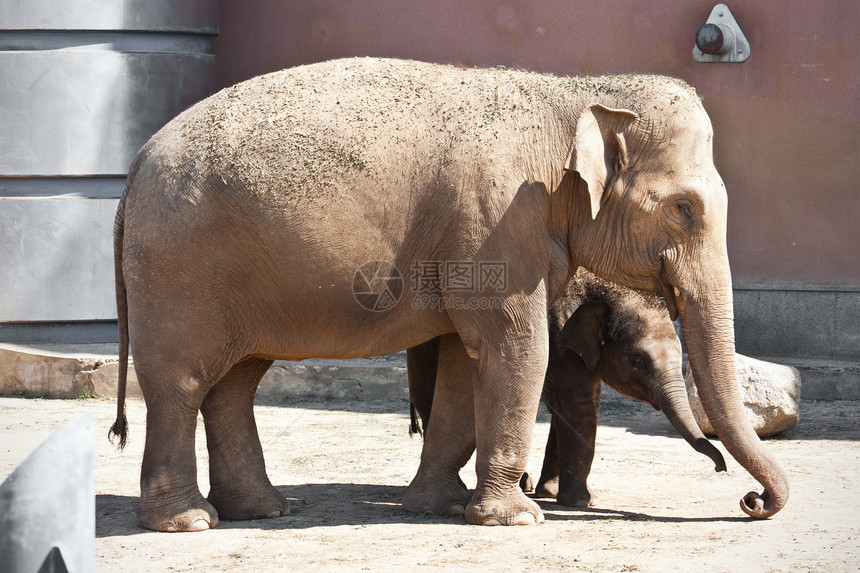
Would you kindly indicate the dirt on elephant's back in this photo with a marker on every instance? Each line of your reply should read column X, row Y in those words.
column 318, row 131
column 344, row 467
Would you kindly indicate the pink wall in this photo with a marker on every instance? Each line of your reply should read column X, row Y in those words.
column 787, row 121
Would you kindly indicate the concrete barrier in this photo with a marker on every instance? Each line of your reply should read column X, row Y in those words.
column 90, row 370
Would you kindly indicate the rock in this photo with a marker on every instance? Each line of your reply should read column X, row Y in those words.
column 771, row 393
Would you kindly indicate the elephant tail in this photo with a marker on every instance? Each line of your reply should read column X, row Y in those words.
column 414, row 423
column 120, row 427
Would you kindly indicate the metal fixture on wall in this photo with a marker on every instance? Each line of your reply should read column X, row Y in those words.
column 721, row 39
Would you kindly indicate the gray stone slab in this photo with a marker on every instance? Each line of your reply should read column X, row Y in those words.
column 771, row 395
column 48, row 505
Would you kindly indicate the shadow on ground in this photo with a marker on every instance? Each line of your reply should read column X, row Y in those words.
column 819, row 419
column 322, row 505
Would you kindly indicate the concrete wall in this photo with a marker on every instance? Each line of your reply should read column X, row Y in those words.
column 787, row 121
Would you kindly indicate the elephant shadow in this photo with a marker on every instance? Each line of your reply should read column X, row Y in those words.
column 311, row 505
column 334, row 504
column 555, row 512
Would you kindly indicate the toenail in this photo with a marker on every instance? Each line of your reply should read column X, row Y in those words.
column 457, row 509
column 525, row 519
column 199, row 525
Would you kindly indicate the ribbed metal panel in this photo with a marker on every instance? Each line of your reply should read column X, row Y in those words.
column 196, row 16
column 57, row 259
column 83, row 85
column 89, row 112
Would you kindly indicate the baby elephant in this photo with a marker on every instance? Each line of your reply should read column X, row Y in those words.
column 597, row 331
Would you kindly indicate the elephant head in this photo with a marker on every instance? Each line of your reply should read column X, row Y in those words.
column 632, row 345
column 648, row 210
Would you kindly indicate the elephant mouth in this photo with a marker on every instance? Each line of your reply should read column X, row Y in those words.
column 670, row 292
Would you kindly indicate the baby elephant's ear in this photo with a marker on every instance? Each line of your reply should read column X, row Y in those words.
column 598, row 151
column 584, row 332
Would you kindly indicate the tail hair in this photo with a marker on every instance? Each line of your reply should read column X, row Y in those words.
column 120, row 427
column 414, row 422
column 120, row 430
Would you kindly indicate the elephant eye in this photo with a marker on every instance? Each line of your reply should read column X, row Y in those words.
column 681, row 213
column 638, row 362
column 685, row 209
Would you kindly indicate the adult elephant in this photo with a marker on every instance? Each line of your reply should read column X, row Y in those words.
column 287, row 216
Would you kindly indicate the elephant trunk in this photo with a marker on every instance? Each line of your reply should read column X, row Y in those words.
column 676, row 406
column 708, row 322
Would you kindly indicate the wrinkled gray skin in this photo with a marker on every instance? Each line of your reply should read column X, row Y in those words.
column 598, row 331
column 246, row 220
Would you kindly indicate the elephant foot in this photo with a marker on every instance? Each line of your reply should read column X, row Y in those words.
column 176, row 513
column 527, row 484
column 242, row 503
column 449, row 498
column 512, row 509
column 576, row 496
column 547, row 487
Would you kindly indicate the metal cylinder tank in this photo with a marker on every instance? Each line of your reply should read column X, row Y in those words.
column 83, row 85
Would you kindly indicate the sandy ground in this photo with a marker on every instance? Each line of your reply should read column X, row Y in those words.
column 344, row 467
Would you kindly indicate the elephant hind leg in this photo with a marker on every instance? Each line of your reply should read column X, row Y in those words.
column 182, row 347
column 450, row 440
column 575, row 422
column 175, row 388
column 239, row 486
column 170, row 499
column 547, row 485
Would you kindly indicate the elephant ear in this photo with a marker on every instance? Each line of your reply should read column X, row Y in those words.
column 599, row 151
column 584, row 332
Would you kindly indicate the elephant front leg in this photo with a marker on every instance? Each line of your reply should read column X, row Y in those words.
column 239, row 486
column 507, row 392
column 450, row 439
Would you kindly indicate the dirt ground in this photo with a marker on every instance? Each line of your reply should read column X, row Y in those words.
column 345, row 464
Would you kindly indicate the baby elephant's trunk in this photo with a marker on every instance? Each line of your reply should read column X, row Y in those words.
column 676, row 407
